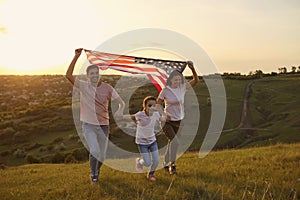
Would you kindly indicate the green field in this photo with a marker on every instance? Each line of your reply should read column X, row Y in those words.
column 255, row 173
column 37, row 126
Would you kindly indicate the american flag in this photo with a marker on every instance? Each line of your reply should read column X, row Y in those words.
column 157, row 70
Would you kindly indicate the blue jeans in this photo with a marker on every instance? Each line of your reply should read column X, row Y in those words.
column 97, row 139
column 145, row 150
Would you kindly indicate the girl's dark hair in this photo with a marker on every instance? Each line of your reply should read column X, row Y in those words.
column 148, row 98
column 174, row 73
column 91, row 67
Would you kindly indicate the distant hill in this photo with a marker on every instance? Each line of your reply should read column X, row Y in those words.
column 256, row 173
column 37, row 126
column 272, row 116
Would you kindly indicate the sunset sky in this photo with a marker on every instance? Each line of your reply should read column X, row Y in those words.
column 39, row 37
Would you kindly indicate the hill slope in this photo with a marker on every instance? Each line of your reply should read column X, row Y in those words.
column 273, row 110
column 37, row 126
column 255, row 173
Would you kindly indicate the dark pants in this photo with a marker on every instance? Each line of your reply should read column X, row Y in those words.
column 172, row 132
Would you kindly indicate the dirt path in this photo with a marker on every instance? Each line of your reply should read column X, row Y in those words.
column 244, row 113
column 245, row 123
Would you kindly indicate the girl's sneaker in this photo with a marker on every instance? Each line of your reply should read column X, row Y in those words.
column 138, row 166
column 151, row 177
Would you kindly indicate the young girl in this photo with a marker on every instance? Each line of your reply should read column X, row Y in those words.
column 145, row 136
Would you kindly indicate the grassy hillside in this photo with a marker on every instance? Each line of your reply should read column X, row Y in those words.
column 273, row 113
column 256, row 173
column 36, row 122
column 275, row 106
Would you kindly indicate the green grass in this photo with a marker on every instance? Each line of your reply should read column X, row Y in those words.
column 235, row 90
column 274, row 106
column 255, row 173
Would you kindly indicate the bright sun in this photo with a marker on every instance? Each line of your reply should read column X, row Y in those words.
column 32, row 41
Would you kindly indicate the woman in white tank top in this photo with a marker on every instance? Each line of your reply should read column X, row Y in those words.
column 173, row 98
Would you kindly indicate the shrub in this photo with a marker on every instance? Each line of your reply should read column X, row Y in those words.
column 56, row 140
column 58, row 158
column 42, row 149
column 50, row 147
column 60, row 147
column 73, row 137
column 31, row 159
column 34, row 146
column 20, row 137
column 80, row 154
column 20, row 153
column 9, row 130
column 6, row 123
column 46, row 159
column 69, row 158
column 3, row 166
column 4, row 153
column 7, row 133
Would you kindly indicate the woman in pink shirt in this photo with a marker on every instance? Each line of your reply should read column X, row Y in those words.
column 173, row 98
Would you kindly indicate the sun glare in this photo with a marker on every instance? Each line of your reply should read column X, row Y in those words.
column 33, row 41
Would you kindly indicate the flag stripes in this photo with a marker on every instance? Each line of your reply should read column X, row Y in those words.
column 157, row 70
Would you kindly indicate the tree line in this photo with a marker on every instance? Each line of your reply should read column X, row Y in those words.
column 259, row 73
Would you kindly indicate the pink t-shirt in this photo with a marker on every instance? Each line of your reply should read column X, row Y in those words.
column 174, row 101
column 145, row 127
column 94, row 102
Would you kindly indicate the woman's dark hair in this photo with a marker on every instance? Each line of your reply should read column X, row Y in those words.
column 174, row 73
column 91, row 67
column 148, row 98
